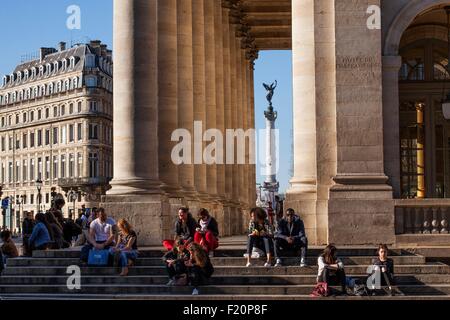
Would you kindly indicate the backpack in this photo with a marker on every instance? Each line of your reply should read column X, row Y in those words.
column 321, row 290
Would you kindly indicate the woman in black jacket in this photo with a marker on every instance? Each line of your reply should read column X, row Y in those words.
column 184, row 229
column 207, row 232
column 199, row 266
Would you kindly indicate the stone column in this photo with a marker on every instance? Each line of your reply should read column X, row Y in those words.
column 391, row 120
column 227, row 112
column 135, row 162
column 302, row 194
column 198, row 44
column 211, row 103
column 220, row 112
column 234, row 120
column 185, row 90
column 167, row 92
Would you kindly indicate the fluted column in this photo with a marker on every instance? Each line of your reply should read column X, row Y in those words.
column 211, row 103
column 234, row 111
column 252, row 125
column 227, row 91
column 239, row 116
column 135, row 162
column 185, row 88
column 198, row 43
column 220, row 98
column 167, row 92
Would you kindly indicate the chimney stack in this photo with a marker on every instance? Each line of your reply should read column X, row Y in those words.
column 103, row 50
column 43, row 52
column 61, row 46
column 96, row 45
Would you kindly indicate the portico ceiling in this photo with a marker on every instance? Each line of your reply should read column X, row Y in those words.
column 270, row 22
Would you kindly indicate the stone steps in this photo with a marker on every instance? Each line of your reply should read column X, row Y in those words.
column 205, row 290
column 45, row 276
column 308, row 279
column 428, row 268
column 222, row 261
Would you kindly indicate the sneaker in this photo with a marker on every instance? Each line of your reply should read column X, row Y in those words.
column 249, row 264
column 245, row 255
column 171, row 282
column 303, row 263
column 259, row 252
column 195, row 292
column 278, row 263
column 267, row 265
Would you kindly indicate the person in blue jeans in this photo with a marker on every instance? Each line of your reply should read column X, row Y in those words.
column 41, row 236
column 101, row 235
column 126, row 246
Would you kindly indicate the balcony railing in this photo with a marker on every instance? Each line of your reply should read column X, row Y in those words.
column 427, row 216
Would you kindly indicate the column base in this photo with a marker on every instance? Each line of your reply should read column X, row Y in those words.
column 152, row 215
column 361, row 212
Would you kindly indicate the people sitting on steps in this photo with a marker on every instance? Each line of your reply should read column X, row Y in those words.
column 383, row 272
column 200, row 268
column 260, row 234
column 185, row 226
column 290, row 237
column 56, row 233
column 27, row 229
column 101, row 235
column 207, row 232
column 175, row 263
column 8, row 248
column 82, row 238
column 71, row 230
column 41, row 237
column 331, row 269
column 126, row 248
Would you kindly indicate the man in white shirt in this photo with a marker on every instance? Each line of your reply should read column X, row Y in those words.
column 101, row 234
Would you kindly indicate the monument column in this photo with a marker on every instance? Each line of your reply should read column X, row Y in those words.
column 135, row 162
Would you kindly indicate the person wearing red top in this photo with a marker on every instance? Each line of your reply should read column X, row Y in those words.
column 207, row 231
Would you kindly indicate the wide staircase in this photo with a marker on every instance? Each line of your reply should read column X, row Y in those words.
column 45, row 277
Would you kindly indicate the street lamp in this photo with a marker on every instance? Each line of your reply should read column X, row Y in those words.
column 72, row 196
column 19, row 217
column 39, row 188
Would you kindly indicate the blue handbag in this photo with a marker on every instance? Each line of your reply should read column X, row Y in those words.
column 98, row 258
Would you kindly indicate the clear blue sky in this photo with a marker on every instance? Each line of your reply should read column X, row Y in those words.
column 28, row 25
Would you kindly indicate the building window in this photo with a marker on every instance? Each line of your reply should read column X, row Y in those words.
column 71, row 165
column 55, row 135
column 47, row 113
column 10, row 172
column 32, row 172
column 55, row 167
column 91, row 82
column 71, row 133
column 24, row 117
column 63, row 134
column 93, row 165
column 80, row 131
column 31, row 116
column 3, row 143
column 63, row 166
column 47, row 137
column 55, row 112
column 39, row 169
column 17, row 119
column 31, row 198
column 90, row 61
column 93, row 107
column 17, row 142
column 79, row 107
column 93, row 131
column 80, row 165
column 17, row 173
column 25, row 171
column 71, row 108
column 32, row 140
column 39, row 138
column 25, row 140
column 63, row 110
column 10, row 143
column 39, row 114
column 47, row 168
